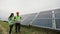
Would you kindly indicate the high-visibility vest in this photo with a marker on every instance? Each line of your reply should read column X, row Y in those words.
column 17, row 18
column 11, row 20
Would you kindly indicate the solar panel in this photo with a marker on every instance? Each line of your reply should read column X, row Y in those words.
column 57, row 15
column 46, row 12
column 57, row 11
column 43, row 19
column 44, row 16
column 43, row 22
column 57, row 18
column 28, row 18
column 58, row 23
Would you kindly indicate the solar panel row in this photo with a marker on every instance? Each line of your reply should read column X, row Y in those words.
column 28, row 18
column 57, row 18
column 43, row 19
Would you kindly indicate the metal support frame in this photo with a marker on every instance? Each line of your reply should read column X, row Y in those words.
column 53, row 20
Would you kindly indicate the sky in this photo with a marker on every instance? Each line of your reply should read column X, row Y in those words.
column 26, row 6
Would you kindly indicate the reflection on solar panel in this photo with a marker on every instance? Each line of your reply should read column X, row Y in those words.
column 43, row 19
column 57, row 18
column 28, row 18
column 57, row 15
column 57, row 11
column 44, row 16
column 43, row 22
column 58, row 23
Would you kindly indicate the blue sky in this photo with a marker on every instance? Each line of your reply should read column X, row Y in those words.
column 26, row 6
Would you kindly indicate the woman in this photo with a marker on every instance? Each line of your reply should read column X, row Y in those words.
column 11, row 22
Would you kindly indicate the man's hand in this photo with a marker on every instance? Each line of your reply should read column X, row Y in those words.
column 21, row 18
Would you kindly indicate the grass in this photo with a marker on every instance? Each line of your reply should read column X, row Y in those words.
column 0, row 31
column 28, row 30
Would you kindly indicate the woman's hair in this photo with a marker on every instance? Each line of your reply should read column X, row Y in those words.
column 12, row 14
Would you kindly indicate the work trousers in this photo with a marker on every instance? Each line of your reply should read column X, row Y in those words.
column 17, row 27
column 10, row 30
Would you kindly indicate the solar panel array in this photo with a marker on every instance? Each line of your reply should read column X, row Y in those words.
column 57, row 18
column 28, row 18
column 43, row 19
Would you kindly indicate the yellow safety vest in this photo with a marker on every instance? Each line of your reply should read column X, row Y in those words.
column 11, row 20
column 18, row 18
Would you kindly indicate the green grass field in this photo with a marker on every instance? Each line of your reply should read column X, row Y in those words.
column 0, row 31
column 27, row 30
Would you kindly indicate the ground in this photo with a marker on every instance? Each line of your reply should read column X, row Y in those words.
column 4, row 29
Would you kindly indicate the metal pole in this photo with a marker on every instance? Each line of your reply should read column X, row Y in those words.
column 53, row 20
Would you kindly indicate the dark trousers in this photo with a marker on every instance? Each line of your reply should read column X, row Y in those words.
column 17, row 27
column 11, row 26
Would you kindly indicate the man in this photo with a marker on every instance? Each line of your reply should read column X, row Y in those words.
column 17, row 22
